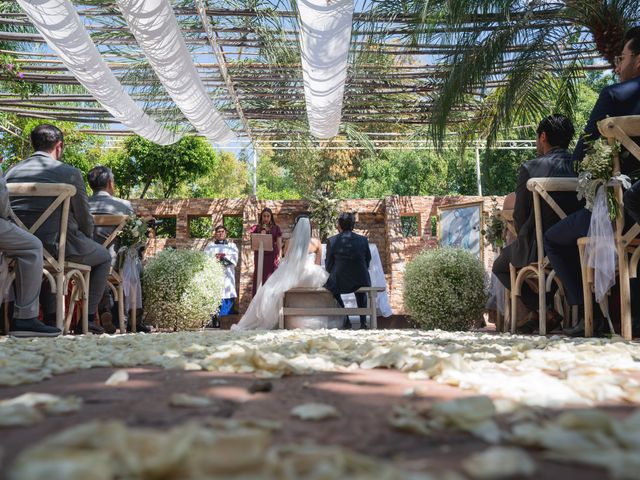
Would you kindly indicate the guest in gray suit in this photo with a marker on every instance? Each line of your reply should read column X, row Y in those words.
column 26, row 250
column 44, row 166
column 103, row 202
column 554, row 135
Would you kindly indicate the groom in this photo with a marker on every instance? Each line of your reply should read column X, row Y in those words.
column 347, row 262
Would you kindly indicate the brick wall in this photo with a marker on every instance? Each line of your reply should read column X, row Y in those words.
column 378, row 219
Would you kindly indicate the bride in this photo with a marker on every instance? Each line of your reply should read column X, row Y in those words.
column 297, row 269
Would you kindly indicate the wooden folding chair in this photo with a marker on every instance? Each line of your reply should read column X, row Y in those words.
column 61, row 270
column 114, row 281
column 621, row 129
column 541, row 269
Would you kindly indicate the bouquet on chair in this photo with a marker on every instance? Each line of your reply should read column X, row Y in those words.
column 133, row 235
column 595, row 170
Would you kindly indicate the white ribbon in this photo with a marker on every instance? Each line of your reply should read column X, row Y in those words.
column 131, row 279
column 600, row 250
column 325, row 36
column 59, row 24
column 156, row 30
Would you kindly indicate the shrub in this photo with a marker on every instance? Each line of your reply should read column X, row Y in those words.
column 182, row 288
column 444, row 288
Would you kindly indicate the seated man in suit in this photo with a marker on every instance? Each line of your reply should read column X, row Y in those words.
column 615, row 100
column 554, row 135
column 26, row 250
column 347, row 261
column 103, row 202
column 44, row 166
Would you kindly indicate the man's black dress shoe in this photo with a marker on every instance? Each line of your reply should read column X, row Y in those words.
column 31, row 327
column 141, row 327
column 346, row 324
column 91, row 328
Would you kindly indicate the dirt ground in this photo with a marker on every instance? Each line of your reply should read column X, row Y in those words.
column 365, row 399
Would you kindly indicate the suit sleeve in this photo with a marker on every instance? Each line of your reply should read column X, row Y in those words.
column 368, row 252
column 328, row 262
column 524, row 199
column 604, row 107
column 5, row 205
column 80, row 205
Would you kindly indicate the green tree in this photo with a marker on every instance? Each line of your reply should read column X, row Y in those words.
column 80, row 149
column 514, row 61
column 229, row 179
column 275, row 182
column 499, row 170
column 143, row 164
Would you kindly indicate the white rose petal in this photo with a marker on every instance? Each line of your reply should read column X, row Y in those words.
column 314, row 411
column 499, row 462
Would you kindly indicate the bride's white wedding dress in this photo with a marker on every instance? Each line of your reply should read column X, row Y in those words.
column 297, row 269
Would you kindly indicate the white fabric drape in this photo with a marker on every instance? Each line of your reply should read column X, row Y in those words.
column 600, row 250
column 61, row 27
column 325, row 36
column 130, row 272
column 156, row 30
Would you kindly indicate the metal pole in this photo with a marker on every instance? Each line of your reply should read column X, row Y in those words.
column 255, row 170
column 478, row 179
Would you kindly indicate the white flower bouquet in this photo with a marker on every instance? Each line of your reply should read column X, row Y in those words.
column 445, row 289
column 596, row 169
column 182, row 288
column 134, row 233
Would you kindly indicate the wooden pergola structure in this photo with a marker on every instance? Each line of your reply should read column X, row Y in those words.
column 248, row 57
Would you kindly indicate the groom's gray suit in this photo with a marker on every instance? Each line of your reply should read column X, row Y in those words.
column 26, row 250
column 80, row 247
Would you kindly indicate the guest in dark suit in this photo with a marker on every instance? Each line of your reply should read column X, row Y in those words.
column 44, row 166
column 615, row 100
column 347, row 262
column 554, row 135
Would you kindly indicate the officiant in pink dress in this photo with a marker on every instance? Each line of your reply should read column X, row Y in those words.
column 267, row 225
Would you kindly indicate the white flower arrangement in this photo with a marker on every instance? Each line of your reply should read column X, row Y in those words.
column 596, row 169
column 445, row 289
column 182, row 288
column 134, row 233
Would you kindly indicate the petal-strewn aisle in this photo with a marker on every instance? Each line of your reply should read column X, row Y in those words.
column 381, row 386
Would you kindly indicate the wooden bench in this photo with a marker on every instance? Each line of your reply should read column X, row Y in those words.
column 372, row 293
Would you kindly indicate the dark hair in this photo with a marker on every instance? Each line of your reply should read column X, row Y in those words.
column 218, row 227
column 299, row 217
column 346, row 220
column 633, row 36
column 559, row 130
column 273, row 219
column 99, row 177
column 44, row 137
